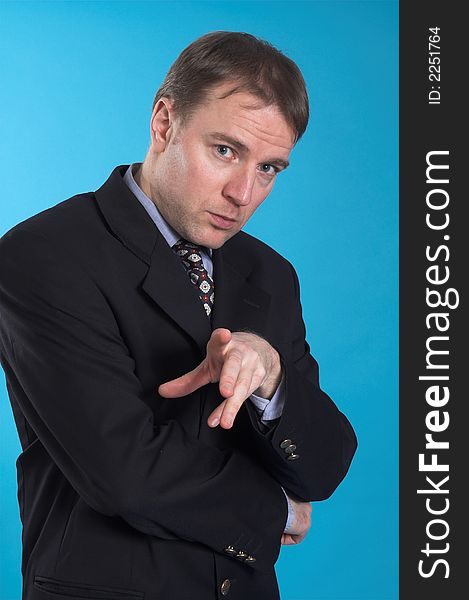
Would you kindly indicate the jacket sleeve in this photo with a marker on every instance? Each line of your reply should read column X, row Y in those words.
column 80, row 394
column 322, row 437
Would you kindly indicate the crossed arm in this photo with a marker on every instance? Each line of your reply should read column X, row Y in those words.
column 243, row 363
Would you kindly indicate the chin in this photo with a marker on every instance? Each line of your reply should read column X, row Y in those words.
column 218, row 241
column 215, row 246
column 213, row 239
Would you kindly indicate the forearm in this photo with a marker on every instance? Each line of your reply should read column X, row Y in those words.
column 321, row 442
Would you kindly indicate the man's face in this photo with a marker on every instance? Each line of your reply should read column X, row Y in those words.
column 211, row 173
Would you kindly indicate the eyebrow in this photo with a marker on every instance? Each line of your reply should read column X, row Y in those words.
column 279, row 162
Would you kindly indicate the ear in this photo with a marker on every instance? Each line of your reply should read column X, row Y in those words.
column 161, row 124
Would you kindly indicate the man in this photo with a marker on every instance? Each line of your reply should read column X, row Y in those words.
column 169, row 411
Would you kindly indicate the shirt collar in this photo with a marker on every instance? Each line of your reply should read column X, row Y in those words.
column 169, row 234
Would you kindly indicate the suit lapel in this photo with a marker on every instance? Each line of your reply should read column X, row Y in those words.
column 239, row 303
column 166, row 282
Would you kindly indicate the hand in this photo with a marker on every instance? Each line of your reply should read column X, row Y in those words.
column 300, row 525
column 242, row 362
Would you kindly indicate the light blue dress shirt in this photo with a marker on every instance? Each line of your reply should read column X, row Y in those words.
column 267, row 409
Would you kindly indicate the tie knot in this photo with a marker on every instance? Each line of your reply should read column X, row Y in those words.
column 189, row 253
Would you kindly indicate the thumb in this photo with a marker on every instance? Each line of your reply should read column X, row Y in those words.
column 220, row 337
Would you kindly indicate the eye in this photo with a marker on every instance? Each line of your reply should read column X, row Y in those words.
column 269, row 169
column 224, row 151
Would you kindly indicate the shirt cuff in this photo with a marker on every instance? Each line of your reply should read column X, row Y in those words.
column 273, row 408
column 291, row 514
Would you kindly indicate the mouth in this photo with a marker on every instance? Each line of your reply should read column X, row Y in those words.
column 222, row 221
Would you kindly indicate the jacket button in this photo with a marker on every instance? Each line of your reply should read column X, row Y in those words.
column 293, row 456
column 242, row 555
column 290, row 449
column 230, row 550
column 249, row 560
column 225, row 587
column 285, row 443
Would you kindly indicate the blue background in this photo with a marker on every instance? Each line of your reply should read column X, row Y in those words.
column 77, row 85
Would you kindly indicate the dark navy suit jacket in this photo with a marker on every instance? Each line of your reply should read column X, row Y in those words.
column 124, row 494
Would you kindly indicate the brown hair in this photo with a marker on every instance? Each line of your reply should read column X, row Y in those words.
column 252, row 64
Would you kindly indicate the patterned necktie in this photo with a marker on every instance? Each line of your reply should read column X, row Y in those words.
column 191, row 258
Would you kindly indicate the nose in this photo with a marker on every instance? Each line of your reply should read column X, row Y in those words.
column 239, row 186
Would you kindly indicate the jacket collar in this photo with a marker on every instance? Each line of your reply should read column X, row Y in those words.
column 239, row 303
column 126, row 217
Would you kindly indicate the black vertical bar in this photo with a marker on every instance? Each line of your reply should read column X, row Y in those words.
column 433, row 271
